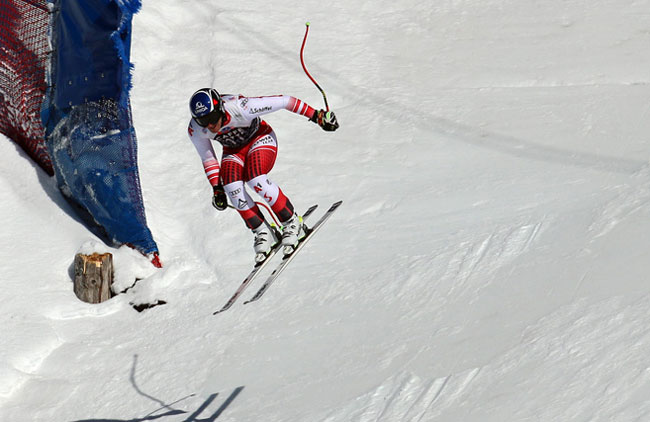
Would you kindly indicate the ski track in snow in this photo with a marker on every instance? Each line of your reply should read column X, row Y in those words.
column 482, row 258
column 629, row 199
column 590, row 343
column 407, row 398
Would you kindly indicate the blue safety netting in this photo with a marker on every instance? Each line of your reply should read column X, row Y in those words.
column 87, row 117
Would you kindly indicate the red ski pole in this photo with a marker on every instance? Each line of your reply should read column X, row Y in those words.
column 302, row 61
column 270, row 213
column 267, row 209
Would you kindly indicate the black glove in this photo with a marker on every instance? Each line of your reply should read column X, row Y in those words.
column 326, row 120
column 219, row 200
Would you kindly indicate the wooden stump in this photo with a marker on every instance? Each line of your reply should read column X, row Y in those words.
column 93, row 277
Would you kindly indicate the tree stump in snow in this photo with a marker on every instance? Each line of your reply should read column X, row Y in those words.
column 93, row 277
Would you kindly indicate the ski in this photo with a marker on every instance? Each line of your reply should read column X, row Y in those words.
column 257, row 268
column 286, row 259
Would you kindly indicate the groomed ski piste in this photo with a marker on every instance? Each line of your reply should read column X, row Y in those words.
column 489, row 262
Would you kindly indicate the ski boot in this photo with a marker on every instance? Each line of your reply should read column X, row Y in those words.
column 266, row 237
column 293, row 230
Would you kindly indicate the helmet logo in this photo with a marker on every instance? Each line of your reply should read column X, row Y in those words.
column 200, row 108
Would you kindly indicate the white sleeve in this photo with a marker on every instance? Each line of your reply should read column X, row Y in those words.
column 245, row 109
column 203, row 145
column 258, row 106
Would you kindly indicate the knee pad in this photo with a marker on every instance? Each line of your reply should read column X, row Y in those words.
column 265, row 188
column 239, row 198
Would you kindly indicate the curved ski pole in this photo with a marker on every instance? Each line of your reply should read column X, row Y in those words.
column 302, row 61
column 267, row 209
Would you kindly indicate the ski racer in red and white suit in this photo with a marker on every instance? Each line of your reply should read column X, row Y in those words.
column 250, row 148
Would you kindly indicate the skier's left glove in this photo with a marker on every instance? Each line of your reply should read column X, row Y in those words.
column 326, row 120
column 219, row 199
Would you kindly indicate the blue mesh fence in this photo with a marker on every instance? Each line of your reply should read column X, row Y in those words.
column 87, row 117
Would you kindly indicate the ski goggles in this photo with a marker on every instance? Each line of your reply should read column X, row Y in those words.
column 208, row 119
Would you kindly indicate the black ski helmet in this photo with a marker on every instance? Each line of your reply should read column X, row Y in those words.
column 206, row 106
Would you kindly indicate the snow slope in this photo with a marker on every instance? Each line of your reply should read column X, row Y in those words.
column 489, row 261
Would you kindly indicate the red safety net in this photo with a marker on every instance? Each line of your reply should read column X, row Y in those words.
column 24, row 51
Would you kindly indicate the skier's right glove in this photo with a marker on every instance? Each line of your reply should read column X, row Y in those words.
column 219, row 199
column 326, row 120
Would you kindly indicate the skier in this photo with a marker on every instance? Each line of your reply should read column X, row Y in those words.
column 249, row 151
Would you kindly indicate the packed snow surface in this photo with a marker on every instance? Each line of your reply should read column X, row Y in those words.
column 489, row 262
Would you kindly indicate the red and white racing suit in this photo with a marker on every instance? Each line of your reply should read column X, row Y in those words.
column 249, row 151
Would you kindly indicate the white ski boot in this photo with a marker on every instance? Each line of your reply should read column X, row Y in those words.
column 293, row 230
column 265, row 240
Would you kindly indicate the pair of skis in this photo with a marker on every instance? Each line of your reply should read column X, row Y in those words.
column 286, row 259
